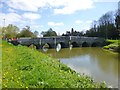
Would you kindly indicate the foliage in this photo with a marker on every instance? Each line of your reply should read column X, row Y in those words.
column 117, row 19
column 106, row 47
column 48, row 33
column 73, row 33
column 26, row 33
column 112, row 41
column 105, row 27
column 36, row 33
column 113, row 45
column 23, row 67
column 10, row 31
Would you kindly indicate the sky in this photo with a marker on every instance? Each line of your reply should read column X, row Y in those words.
column 60, row 15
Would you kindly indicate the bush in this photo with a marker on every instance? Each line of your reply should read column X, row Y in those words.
column 113, row 45
column 106, row 47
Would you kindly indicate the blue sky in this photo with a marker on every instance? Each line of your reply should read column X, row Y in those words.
column 60, row 15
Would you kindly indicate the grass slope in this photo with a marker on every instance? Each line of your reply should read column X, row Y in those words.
column 23, row 67
column 113, row 45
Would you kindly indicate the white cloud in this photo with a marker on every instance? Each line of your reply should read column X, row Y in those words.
column 83, row 22
column 35, row 27
column 1, row 5
column 59, row 6
column 20, row 20
column 56, row 3
column 73, row 6
column 41, row 26
column 11, row 10
column 89, row 21
column 26, row 5
column 31, row 16
column 55, row 24
column 34, row 5
column 10, row 18
column 83, row 25
column 78, row 21
column 106, row 0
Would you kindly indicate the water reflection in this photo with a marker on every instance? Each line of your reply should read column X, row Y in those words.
column 96, row 62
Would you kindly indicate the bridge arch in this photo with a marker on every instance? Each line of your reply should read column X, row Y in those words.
column 37, row 46
column 62, row 44
column 75, row 44
column 48, row 45
column 32, row 46
column 85, row 44
column 95, row 44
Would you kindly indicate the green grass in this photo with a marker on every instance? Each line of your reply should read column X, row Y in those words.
column 112, row 41
column 113, row 45
column 23, row 67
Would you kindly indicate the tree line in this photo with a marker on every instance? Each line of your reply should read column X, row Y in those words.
column 12, row 31
column 108, row 27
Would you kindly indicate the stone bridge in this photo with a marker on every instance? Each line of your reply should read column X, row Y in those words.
column 64, row 41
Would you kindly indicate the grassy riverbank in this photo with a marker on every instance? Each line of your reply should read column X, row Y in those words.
column 23, row 67
column 113, row 45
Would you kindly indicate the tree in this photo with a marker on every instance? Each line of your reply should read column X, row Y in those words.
column 109, row 29
column 36, row 33
column 26, row 32
column 107, row 18
column 73, row 33
column 105, row 27
column 48, row 33
column 10, row 31
column 117, row 19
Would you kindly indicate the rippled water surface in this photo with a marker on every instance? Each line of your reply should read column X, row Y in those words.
column 100, row 64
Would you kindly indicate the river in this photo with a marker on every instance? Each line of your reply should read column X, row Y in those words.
column 100, row 64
